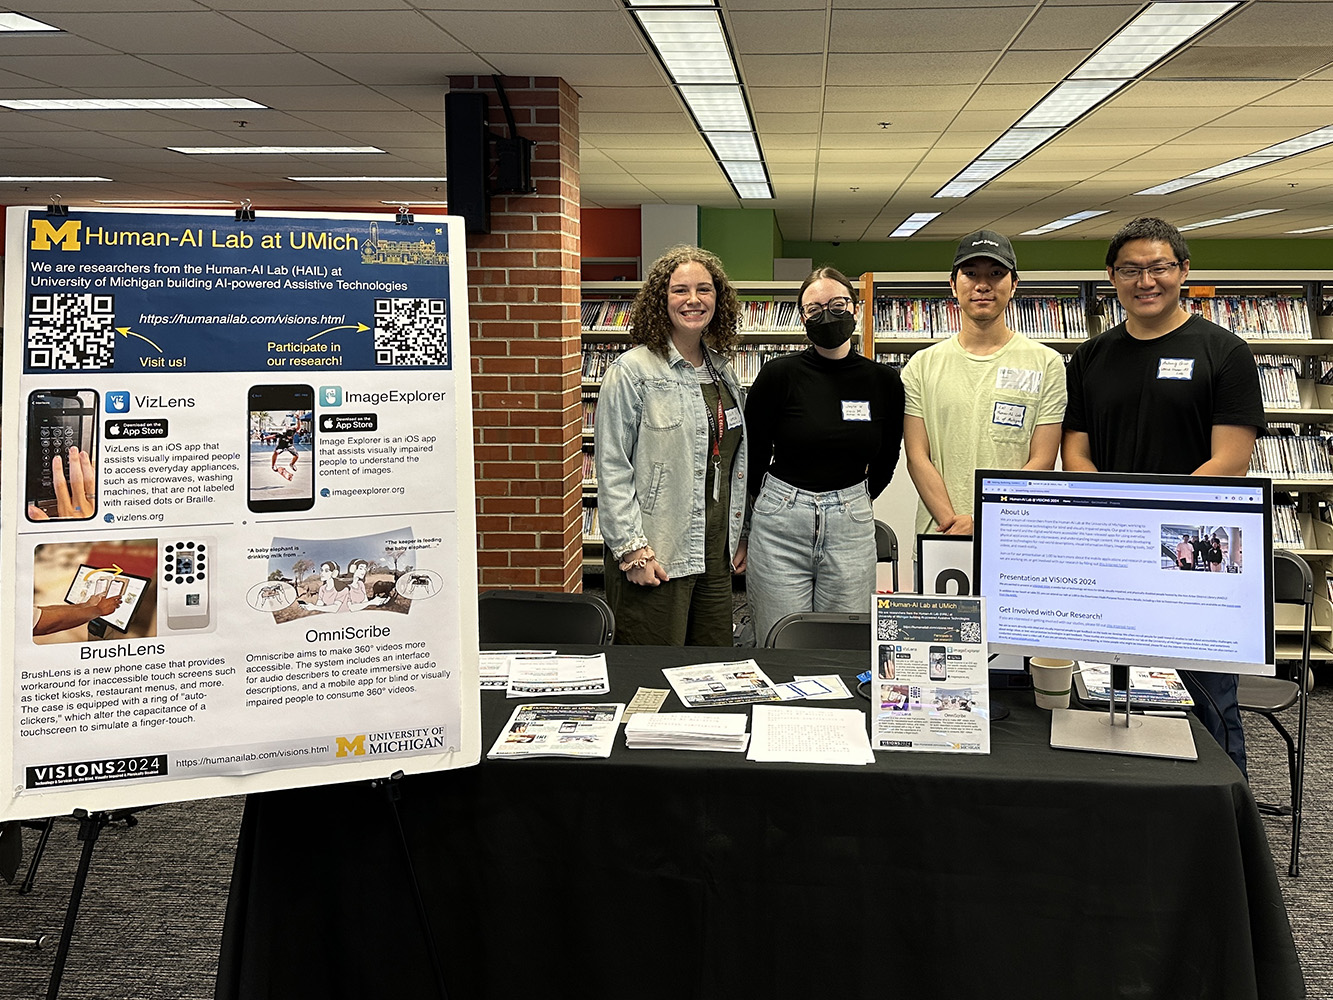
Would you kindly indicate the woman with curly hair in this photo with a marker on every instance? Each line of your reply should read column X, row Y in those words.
column 670, row 459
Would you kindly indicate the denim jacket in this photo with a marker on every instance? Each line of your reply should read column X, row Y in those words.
column 652, row 451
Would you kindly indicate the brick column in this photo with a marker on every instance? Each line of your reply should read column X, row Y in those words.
column 523, row 296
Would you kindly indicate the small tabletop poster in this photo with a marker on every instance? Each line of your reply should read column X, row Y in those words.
column 238, row 529
column 930, row 674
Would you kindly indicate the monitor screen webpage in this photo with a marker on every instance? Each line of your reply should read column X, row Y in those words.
column 1171, row 571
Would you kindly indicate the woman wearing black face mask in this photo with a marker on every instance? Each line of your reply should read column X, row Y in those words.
column 824, row 428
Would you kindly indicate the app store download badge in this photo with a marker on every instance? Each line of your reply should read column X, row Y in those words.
column 117, row 401
column 330, row 395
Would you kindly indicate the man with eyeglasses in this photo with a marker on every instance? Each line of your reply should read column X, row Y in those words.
column 1165, row 392
column 986, row 398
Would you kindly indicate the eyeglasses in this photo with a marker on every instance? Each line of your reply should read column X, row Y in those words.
column 837, row 305
column 1152, row 270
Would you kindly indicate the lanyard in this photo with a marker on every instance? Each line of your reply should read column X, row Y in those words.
column 716, row 429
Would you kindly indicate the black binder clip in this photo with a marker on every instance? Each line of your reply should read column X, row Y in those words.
column 404, row 216
column 245, row 213
column 56, row 209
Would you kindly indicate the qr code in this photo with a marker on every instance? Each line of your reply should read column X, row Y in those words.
column 71, row 332
column 411, row 333
column 888, row 629
column 971, row 631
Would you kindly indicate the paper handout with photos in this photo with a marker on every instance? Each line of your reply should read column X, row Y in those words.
column 493, row 665
column 546, row 730
column 931, row 687
column 552, row 676
column 734, row 682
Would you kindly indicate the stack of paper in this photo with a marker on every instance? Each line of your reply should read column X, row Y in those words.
column 559, row 731
column 687, row 731
column 810, row 735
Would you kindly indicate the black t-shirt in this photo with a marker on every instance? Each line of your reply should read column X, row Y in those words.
column 1151, row 405
column 824, row 424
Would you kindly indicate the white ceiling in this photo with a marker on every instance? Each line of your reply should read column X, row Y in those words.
column 949, row 76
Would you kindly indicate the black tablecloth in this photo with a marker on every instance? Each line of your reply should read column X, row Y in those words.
column 1028, row 872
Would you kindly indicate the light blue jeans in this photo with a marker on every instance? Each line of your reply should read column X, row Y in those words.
column 809, row 552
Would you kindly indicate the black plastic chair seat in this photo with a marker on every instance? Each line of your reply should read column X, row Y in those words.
column 821, row 630
column 1266, row 694
column 544, row 618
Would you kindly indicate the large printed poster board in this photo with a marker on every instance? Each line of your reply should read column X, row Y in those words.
column 237, row 489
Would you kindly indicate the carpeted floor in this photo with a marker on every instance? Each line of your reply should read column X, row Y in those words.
column 152, row 911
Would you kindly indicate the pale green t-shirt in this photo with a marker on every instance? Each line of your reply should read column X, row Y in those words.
column 980, row 412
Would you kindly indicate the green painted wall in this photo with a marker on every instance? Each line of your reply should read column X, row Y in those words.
column 1059, row 255
column 746, row 239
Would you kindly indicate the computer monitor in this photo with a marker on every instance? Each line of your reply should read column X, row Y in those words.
column 1156, row 571
column 93, row 581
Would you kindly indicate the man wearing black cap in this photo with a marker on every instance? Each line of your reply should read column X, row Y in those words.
column 986, row 398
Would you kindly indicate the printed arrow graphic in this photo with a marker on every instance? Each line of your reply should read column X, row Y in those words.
column 127, row 332
column 113, row 569
column 358, row 327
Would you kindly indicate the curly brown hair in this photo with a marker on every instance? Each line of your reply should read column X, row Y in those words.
column 649, row 322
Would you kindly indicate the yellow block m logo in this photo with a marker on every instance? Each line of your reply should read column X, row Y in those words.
column 44, row 234
column 356, row 746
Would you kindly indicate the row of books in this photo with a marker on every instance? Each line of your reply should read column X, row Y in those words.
column 589, row 470
column 1287, row 532
column 1270, row 317
column 1273, row 317
column 597, row 359
column 604, row 314
column 591, row 531
column 1277, row 383
column 748, row 360
column 1292, row 456
column 1049, row 316
column 589, row 410
column 779, row 315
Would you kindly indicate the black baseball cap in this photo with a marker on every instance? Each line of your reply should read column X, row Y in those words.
column 986, row 243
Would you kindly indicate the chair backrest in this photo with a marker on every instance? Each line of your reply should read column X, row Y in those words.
column 527, row 617
column 821, row 630
column 886, row 548
column 1293, row 583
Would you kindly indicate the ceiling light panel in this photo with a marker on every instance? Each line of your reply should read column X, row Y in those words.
column 1159, row 30
column 386, row 180
column 1262, row 157
column 717, row 109
column 17, row 22
column 14, row 179
column 912, row 223
column 270, row 150
column 1068, row 102
column 734, row 145
column 1312, row 229
column 133, row 104
column 1230, row 218
column 1065, row 223
column 1149, row 37
column 690, row 40
column 690, row 43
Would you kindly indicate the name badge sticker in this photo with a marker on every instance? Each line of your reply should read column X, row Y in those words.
column 856, row 409
column 1176, row 368
column 733, row 416
column 1008, row 414
column 1018, row 380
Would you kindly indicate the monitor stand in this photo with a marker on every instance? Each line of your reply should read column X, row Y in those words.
column 1142, row 735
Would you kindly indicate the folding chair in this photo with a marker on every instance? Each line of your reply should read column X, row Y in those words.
column 1267, row 696
column 821, row 630
column 528, row 617
column 886, row 548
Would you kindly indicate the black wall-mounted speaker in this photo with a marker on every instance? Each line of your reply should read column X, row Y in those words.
column 467, row 159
